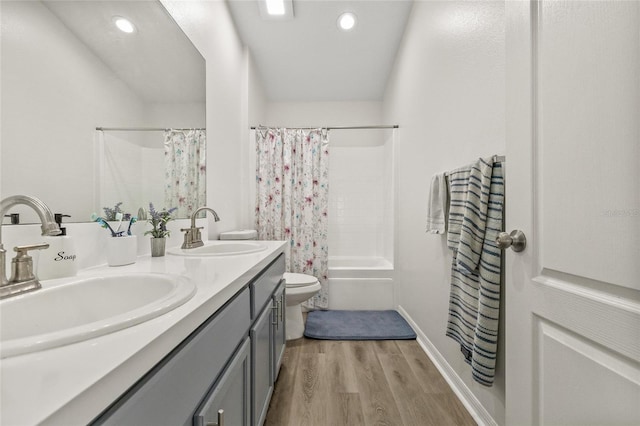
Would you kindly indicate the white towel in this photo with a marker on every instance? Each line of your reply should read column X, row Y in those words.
column 436, row 208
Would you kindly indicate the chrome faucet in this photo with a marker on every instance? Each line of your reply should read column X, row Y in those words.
column 22, row 276
column 192, row 237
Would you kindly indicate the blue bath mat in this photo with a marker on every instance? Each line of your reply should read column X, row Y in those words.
column 357, row 325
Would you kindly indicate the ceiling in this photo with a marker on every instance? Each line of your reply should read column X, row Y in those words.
column 308, row 58
column 158, row 61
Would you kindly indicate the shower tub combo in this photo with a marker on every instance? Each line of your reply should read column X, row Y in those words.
column 359, row 283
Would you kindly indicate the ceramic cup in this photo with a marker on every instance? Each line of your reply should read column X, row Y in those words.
column 122, row 250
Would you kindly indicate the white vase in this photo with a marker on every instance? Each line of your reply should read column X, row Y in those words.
column 122, row 250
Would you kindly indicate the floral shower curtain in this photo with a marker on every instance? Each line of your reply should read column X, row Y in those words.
column 292, row 174
column 185, row 170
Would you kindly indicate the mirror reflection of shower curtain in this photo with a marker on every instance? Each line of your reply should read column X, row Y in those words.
column 292, row 177
column 185, row 170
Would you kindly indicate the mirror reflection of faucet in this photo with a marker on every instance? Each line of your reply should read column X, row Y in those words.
column 142, row 214
column 192, row 235
column 15, row 218
column 22, row 277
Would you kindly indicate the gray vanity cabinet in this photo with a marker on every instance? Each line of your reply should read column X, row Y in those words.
column 171, row 391
column 229, row 402
column 229, row 363
column 266, row 335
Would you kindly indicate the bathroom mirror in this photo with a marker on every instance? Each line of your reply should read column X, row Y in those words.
column 66, row 70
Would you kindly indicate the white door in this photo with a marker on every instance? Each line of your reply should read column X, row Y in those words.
column 573, row 172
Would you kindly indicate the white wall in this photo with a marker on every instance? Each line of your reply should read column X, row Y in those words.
column 210, row 28
column 300, row 114
column 389, row 195
column 256, row 113
column 357, row 190
column 175, row 114
column 256, row 96
column 447, row 94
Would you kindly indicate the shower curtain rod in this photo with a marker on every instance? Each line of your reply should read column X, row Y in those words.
column 384, row 126
column 145, row 129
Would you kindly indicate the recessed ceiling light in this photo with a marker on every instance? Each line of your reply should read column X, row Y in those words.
column 347, row 21
column 275, row 7
column 279, row 10
column 124, row 25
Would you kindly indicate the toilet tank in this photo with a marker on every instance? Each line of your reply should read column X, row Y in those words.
column 243, row 234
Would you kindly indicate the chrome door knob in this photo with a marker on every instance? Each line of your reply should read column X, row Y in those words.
column 516, row 240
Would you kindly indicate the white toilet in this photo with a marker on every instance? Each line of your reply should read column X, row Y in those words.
column 299, row 289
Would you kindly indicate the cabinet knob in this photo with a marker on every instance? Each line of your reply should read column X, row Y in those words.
column 282, row 308
column 275, row 312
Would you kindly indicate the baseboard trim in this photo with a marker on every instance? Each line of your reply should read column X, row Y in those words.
column 468, row 399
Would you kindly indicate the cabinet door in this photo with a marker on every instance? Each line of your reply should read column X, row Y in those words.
column 228, row 403
column 261, row 354
column 279, row 335
column 169, row 393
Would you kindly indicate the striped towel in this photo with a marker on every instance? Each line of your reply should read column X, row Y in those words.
column 475, row 219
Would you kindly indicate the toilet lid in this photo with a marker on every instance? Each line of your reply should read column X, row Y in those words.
column 297, row 280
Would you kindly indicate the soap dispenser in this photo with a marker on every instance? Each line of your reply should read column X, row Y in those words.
column 59, row 260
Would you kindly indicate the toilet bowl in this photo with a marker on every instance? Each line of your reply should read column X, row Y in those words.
column 299, row 289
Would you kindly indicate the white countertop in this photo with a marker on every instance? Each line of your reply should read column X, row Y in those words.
column 71, row 385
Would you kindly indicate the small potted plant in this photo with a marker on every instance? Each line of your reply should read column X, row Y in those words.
column 115, row 213
column 159, row 233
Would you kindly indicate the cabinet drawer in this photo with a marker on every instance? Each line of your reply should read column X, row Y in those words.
column 169, row 394
column 262, row 288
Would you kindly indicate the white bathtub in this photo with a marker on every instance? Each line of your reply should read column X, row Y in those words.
column 360, row 283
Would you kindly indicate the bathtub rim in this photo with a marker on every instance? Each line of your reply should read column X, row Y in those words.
column 359, row 263
column 353, row 270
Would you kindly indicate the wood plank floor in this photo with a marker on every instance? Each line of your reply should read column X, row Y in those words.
column 334, row 383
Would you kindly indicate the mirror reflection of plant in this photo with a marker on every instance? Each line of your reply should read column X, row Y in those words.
column 111, row 213
column 158, row 220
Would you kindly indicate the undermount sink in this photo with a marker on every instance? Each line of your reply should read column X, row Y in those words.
column 83, row 308
column 220, row 248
